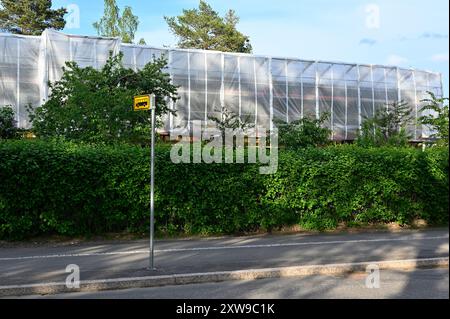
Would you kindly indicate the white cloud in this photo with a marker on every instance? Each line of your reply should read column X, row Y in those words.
column 394, row 59
column 441, row 57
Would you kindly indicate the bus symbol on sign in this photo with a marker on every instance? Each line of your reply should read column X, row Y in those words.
column 142, row 103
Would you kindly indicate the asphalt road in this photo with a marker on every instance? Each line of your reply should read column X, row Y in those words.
column 419, row 284
column 105, row 260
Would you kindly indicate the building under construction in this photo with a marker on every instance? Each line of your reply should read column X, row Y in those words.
column 259, row 88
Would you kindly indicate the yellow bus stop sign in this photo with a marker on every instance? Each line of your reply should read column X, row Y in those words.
column 143, row 103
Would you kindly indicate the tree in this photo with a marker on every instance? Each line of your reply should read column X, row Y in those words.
column 108, row 26
column 203, row 28
column 142, row 42
column 95, row 106
column 388, row 126
column 438, row 121
column 128, row 24
column 114, row 24
column 30, row 17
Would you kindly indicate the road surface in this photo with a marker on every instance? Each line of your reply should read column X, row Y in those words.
column 106, row 260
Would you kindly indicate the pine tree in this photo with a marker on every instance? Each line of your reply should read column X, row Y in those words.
column 30, row 17
column 204, row 28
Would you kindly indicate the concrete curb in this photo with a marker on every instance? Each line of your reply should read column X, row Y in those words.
column 196, row 278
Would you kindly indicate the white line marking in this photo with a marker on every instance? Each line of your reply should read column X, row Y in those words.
column 136, row 252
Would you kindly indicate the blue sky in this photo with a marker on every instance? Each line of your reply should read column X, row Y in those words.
column 408, row 33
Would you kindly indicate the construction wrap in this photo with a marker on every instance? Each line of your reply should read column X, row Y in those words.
column 259, row 89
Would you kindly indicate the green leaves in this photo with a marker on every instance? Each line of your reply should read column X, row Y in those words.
column 203, row 28
column 95, row 106
column 438, row 120
column 356, row 185
column 30, row 17
column 71, row 189
column 8, row 129
column 303, row 133
column 389, row 127
column 114, row 24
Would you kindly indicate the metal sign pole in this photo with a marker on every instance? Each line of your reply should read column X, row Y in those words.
column 152, row 186
column 145, row 103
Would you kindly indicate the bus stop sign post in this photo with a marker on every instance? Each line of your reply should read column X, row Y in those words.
column 152, row 187
column 145, row 103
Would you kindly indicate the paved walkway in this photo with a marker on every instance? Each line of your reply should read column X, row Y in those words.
column 418, row 284
column 31, row 265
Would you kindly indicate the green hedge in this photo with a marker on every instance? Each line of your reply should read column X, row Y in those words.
column 323, row 187
column 50, row 188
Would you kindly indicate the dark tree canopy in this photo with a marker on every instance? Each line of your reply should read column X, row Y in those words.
column 8, row 127
column 30, row 17
column 204, row 28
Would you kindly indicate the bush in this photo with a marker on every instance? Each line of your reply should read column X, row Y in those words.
column 303, row 133
column 355, row 185
column 389, row 127
column 68, row 189
column 96, row 106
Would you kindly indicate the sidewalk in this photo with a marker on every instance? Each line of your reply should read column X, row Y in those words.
column 97, row 261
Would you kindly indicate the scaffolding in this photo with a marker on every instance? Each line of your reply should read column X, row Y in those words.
column 259, row 88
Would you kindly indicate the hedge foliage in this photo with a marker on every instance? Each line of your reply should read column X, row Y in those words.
column 63, row 188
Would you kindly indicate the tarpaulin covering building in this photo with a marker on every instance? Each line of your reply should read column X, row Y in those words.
column 258, row 88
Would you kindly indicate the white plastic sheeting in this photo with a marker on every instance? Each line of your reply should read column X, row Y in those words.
column 258, row 88
column 58, row 48
column 19, row 74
